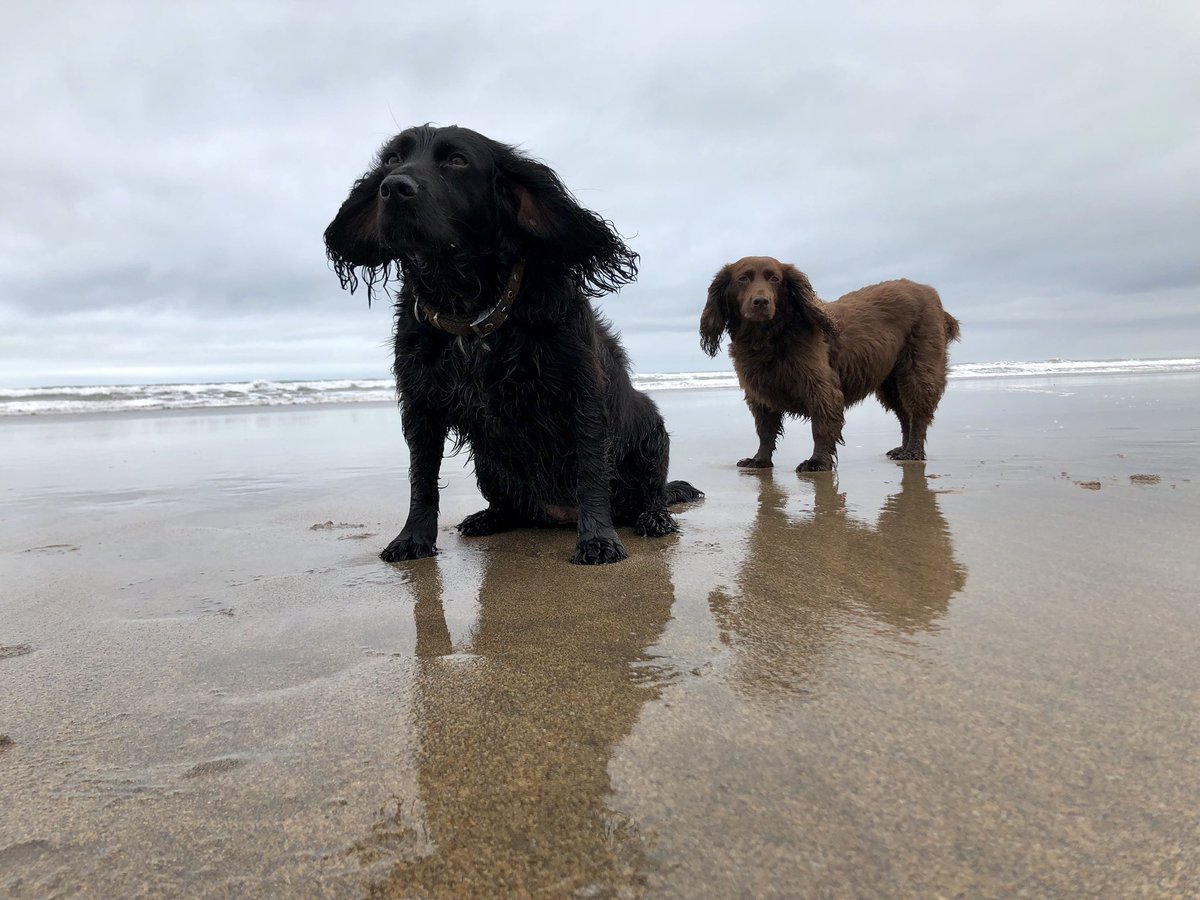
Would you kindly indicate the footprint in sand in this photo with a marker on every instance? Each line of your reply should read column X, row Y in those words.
column 24, row 852
column 52, row 548
column 331, row 525
column 8, row 651
column 213, row 766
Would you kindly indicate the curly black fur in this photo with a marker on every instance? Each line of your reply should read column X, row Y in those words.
column 555, row 428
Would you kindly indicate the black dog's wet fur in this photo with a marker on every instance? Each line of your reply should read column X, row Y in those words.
column 544, row 403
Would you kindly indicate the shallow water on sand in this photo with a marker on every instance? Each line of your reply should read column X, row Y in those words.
column 976, row 675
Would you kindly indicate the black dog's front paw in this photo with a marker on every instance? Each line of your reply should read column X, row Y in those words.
column 753, row 462
column 486, row 521
column 405, row 546
column 598, row 551
column 654, row 523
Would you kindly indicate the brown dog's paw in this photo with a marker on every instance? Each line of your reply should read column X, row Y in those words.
column 753, row 462
column 816, row 464
column 901, row 455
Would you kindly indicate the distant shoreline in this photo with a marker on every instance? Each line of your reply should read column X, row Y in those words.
column 268, row 394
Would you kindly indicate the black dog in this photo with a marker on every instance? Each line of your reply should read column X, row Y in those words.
column 496, row 340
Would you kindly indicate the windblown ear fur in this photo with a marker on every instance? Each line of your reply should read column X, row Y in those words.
column 715, row 318
column 553, row 224
column 805, row 302
column 352, row 240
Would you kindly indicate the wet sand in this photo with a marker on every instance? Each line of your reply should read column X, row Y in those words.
column 977, row 676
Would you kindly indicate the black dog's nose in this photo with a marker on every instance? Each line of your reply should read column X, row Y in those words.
column 758, row 301
column 399, row 186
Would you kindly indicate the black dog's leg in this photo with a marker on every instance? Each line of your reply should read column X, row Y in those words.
column 492, row 520
column 769, row 425
column 647, row 471
column 500, row 514
column 425, row 434
column 596, row 541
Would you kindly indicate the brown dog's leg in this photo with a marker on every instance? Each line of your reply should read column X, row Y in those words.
column 825, row 441
column 889, row 395
column 920, row 387
column 914, row 443
column 898, row 452
column 769, row 425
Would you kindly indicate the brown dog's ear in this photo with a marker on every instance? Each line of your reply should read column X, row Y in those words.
column 352, row 240
column 715, row 318
column 805, row 302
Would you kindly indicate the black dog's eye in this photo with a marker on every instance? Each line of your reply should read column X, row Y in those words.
column 392, row 160
column 456, row 159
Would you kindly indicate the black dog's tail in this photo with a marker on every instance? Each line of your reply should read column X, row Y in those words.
column 682, row 492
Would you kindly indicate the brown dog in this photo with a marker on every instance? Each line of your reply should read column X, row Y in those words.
column 797, row 355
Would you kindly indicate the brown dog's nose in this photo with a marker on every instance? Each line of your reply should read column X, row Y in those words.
column 759, row 302
column 401, row 187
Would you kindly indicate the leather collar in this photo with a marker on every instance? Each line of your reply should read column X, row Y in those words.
column 487, row 321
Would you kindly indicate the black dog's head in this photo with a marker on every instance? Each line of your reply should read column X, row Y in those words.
column 450, row 198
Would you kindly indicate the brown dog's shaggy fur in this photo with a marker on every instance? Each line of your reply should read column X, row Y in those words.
column 797, row 355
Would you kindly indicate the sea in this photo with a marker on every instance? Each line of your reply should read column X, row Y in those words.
column 67, row 399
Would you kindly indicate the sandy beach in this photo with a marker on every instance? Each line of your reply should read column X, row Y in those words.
column 977, row 676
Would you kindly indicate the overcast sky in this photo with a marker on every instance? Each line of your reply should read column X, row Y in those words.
column 167, row 169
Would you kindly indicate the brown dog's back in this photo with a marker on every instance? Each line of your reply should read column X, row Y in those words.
column 883, row 325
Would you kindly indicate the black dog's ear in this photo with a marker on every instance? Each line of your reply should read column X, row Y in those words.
column 715, row 318
column 352, row 240
column 805, row 302
column 551, row 223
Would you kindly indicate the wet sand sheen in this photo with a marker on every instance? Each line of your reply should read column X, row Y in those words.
column 973, row 675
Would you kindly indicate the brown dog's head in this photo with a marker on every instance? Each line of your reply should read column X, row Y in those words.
column 760, row 290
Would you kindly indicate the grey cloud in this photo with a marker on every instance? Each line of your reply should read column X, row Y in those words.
column 174, row 166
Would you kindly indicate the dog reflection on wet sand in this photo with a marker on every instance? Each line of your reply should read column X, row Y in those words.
column 804, row 582
column 516, row 727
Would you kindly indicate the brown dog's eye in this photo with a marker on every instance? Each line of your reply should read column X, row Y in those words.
column 456, row 159
column 744, row 277
column 773, row 278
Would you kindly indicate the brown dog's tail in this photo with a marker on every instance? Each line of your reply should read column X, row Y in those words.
column 952, row 329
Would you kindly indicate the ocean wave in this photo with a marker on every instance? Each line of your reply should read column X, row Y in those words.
column 57, row 400
column 117, row 398
column 1059, row 367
